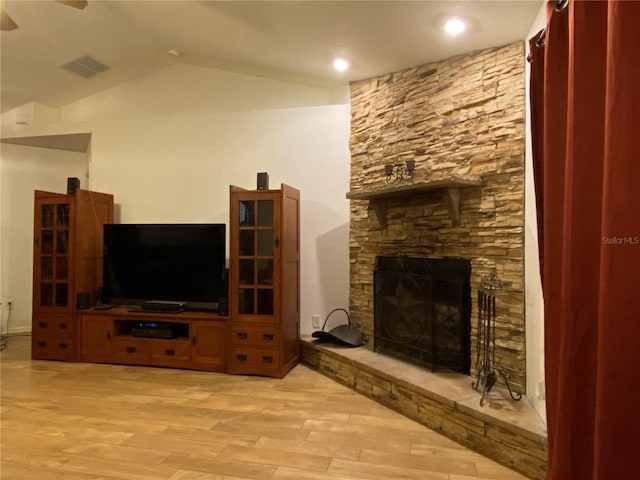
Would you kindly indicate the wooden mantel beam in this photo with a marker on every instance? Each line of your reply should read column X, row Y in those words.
column 451, row 186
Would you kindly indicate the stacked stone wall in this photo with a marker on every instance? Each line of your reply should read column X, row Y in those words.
column 464, row 115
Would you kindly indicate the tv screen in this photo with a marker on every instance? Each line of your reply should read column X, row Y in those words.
column 167, row 262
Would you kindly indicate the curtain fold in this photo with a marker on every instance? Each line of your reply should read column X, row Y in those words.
column 536, row 102
column 617, row 439
column 587, row 170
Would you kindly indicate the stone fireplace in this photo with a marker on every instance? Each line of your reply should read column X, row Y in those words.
column 422, row 309
column 437, row 174
column 461, row 122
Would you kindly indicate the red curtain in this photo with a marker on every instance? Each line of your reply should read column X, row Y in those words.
column 585, row 95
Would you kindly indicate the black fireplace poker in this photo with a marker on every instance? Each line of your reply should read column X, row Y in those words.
column 486, row 369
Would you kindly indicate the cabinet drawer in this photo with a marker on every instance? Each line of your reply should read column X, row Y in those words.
column 130, row 348
column 171, row 350
column 52, row 348
column 257, row 335
column 254, row 360
column 53, row 326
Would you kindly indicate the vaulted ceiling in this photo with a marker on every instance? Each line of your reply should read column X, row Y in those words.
column 288, row 40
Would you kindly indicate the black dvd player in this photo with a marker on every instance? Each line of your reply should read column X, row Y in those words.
column 161, row 306
column 153, row 330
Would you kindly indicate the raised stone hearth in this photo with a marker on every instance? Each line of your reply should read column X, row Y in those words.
column 508, row 432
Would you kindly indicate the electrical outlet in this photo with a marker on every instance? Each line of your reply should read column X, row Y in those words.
column 541, row 391
column 315, row 321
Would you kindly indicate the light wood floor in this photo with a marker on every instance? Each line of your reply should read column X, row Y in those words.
column 78, row 421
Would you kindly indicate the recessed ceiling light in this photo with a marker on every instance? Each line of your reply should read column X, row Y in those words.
column 173, row 52
column 340, row 64
column 455, row 26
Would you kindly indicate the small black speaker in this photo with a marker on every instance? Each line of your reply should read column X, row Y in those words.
column 73, row 183
column 83, row 300
column 263, row 181
column 223, row 306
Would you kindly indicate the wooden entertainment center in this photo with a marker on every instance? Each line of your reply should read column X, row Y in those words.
column 198, row 340
column 257, row 335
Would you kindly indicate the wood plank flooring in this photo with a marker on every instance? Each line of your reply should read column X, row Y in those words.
column 77, row 421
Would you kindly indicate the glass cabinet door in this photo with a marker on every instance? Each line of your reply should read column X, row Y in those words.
column 53, row 252
column 256, row 240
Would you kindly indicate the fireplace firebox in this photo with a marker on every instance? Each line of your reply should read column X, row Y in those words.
column 422, row 311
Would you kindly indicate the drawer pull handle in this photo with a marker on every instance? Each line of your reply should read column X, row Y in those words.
column 131, row 349
column 109, row 335
column 42, row 324
column 193, row 341
column 63, row 326
column 42, row 343
column 267, row 336
column 63, row 345
column 242, row 335
column 170, row 352
column 241, row 357
column 267, row 359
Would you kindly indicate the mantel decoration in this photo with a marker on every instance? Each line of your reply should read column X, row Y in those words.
column 400, row 172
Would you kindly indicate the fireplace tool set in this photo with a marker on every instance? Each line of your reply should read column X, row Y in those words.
column 486, row 368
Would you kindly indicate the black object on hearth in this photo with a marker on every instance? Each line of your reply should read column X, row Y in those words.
column 347, row 335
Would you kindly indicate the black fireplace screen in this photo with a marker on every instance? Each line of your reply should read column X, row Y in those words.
column 422, row 310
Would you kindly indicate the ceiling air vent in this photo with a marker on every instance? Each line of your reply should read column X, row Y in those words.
column 85, row 66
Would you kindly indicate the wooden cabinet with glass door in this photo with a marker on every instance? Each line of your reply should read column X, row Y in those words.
column 264, row 270
column 67, row 261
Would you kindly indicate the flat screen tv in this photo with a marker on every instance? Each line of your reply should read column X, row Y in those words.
column 164, row 262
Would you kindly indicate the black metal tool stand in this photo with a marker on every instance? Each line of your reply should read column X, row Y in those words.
column 486, row 370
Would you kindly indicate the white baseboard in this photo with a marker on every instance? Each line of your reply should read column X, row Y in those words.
column 19, row 330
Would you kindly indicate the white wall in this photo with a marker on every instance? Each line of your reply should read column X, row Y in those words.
column 187, row 89
column 169, row 145
column 23, row 170
column 178, row 169
column 533, row 289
